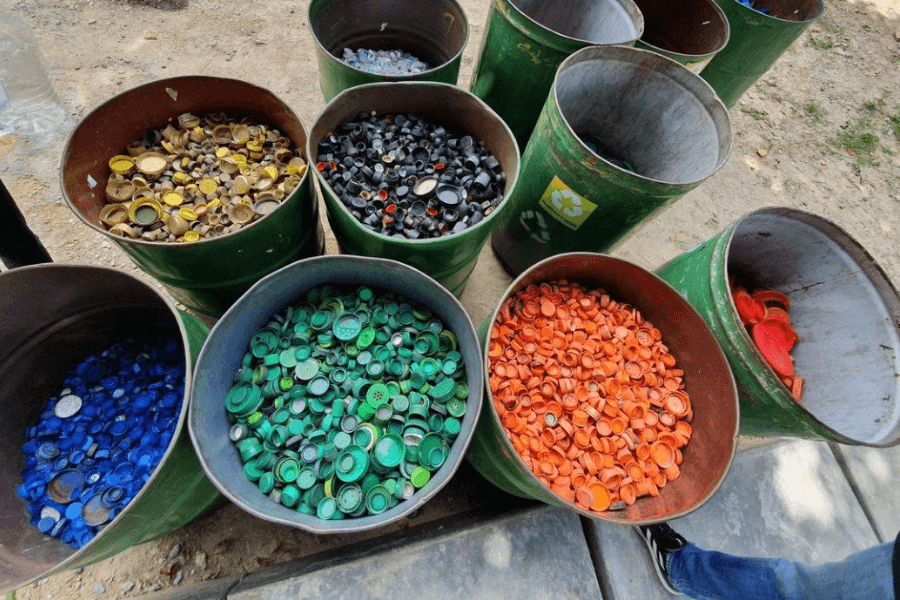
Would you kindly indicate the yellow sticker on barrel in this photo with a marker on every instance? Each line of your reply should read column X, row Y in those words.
column 565, row 205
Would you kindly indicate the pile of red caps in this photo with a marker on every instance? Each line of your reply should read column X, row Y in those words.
column 765, row 315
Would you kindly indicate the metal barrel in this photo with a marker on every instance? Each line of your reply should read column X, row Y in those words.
column 690, row 32
column 526, row 40
column 223, row 351
column 209, row 275
column 650, row 114
column 756, row 42
column 448, row 259
column 707, row 378
column 843, row 307
column 434, row 31
column 51, row 317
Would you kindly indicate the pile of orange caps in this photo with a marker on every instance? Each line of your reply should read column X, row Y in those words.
column 765, row 315
column 588, row 394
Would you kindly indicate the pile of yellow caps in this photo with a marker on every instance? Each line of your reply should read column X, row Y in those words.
column 207, row 177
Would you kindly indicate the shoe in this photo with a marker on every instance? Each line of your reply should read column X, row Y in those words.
column 661, row 540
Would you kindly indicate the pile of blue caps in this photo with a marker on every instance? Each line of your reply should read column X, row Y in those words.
column 384, row 62
column 100, row 437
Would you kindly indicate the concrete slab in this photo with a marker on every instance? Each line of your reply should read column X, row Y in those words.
column 787, row 499
column 535, row 553
column 216, row 589
column 873, row 475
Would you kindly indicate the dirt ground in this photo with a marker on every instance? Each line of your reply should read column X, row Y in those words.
column 819, row 132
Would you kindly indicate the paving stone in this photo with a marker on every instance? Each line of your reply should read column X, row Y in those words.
column 788, row 499
column 874, row 475
column 536, row 553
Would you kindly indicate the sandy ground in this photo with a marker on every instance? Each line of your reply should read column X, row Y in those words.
column 819, row 132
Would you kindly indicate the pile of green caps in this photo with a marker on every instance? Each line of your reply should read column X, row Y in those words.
column 347, row 402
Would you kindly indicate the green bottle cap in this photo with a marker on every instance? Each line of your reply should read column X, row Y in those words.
column 290, row 495
column 307, row 369
column 305, row 508
column 287, row 358
column 306, row 478
column 266, row 482
column 420, row 476
column 452, row 426
column 350, row 498
column 383, row 414
column 378, row 500
column 432, row 451
column 365, row 436
column 366, row 337
column 287, row 470
column 347, row 327
column 342, row 439
column 318, row 386
column 456, row 407
column 249, row 448
column 352, row 463
column 389, row 451
column 377, row 395
column 326, row 508
column 252, row 471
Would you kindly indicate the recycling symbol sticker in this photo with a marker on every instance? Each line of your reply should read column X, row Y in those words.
column 565, row 205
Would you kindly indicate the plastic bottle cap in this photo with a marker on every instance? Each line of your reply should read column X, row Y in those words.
column 426, row 186
column 389, row 450
column 67, row 406
column 377, row 395
column 449, row 195
column 352, row 464
column 347, row 327
column 420, row 476
column 65, row 486
column 378, row 499
column 326, row 508
column 306, row 370
column 350, row 498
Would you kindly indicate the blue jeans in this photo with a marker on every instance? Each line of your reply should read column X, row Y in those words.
column 717, row 576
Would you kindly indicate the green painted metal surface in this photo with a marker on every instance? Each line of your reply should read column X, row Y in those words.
column 449, row 259
column 435, row 32
column 757, row 41
column 767, row 408
column 568, row 199
column 690, row 32
column 59, row 308
column 210, row 275
column 519, row 58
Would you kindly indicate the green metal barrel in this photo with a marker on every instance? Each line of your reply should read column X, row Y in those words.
column 707, row 378
column 757, row 40
column 51, row 317
column 526, row 40
column 434, row 31
column 650, row 114
column 209, row 275
column 448, row 259
column 842, row 306
column 690, row 32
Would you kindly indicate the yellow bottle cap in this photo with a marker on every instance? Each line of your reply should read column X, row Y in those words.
column 208, row 186
column 173, row 198
column 121, row 164
column 222, row 134
column 200, row 208
column 239, row 158
column 271, row 171
column 168, row 147
column 214, row 203
column 181, row 178
column 240, row 134
column 223, row 152
column 187, row 214
column 191, row 236
column 144, row 211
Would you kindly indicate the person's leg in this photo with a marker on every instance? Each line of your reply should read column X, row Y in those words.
column 719, row 576
column 685, row 568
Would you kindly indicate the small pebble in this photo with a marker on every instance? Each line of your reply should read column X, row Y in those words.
column 127, row 586
column 155, row 587
column 174, row 552
column 99, row 588
column 178, row 577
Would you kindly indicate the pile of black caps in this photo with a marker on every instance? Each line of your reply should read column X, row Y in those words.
column 407, row 177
